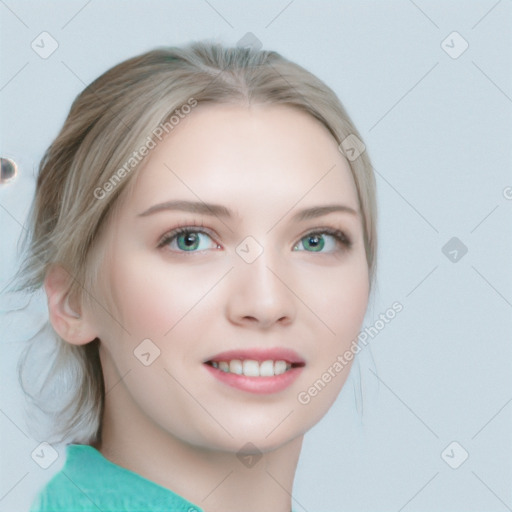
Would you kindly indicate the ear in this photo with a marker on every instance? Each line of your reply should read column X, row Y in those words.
column 67, row 320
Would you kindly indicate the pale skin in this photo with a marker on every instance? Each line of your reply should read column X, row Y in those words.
column 172, row 422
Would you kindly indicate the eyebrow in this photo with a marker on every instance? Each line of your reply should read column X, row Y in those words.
column 221, row 211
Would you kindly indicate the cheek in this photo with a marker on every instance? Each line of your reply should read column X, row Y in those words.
column 339, row 298
column 350, row 307
column 152, row 298
column 341, row 302
column 344, row 306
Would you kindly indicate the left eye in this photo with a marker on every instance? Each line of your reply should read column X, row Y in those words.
column 317, row 241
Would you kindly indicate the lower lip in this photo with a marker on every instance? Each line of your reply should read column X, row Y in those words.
column 258, row 385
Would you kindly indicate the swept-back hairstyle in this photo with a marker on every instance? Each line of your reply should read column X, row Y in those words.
column 97, row 153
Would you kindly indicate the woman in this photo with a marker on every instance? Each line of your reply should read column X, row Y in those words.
column 204, row 227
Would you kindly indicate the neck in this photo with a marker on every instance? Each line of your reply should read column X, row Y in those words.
column 211, row 479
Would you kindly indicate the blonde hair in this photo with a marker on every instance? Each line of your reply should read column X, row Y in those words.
column 108, row 124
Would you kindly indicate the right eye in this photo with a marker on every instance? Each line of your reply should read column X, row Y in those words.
column 186, row 239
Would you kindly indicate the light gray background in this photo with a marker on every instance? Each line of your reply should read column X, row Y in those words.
column 438, row 130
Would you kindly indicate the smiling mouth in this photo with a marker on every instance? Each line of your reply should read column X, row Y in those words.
column 253, row 368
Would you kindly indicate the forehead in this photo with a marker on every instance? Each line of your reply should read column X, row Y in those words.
column 246, row 155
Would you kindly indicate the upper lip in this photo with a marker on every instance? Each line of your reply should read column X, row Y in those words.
column 259, row 354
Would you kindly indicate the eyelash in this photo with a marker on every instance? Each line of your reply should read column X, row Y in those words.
column 187, row 228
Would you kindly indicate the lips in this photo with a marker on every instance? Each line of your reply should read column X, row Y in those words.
column 260, row 371
column 260, row 355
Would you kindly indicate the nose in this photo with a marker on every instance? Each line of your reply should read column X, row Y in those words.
column 259, row 294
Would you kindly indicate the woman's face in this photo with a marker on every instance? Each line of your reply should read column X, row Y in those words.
column 260, row 274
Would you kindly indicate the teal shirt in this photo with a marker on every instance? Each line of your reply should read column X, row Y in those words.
column 88, row 482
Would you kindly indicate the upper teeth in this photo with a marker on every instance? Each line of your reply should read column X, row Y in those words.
column 251, row 368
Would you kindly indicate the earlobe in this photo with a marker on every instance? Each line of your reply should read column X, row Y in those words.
column 71, row 325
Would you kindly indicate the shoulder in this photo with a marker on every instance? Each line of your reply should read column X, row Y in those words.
column 60, row 495
column 72, row 488
column 89, row 482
